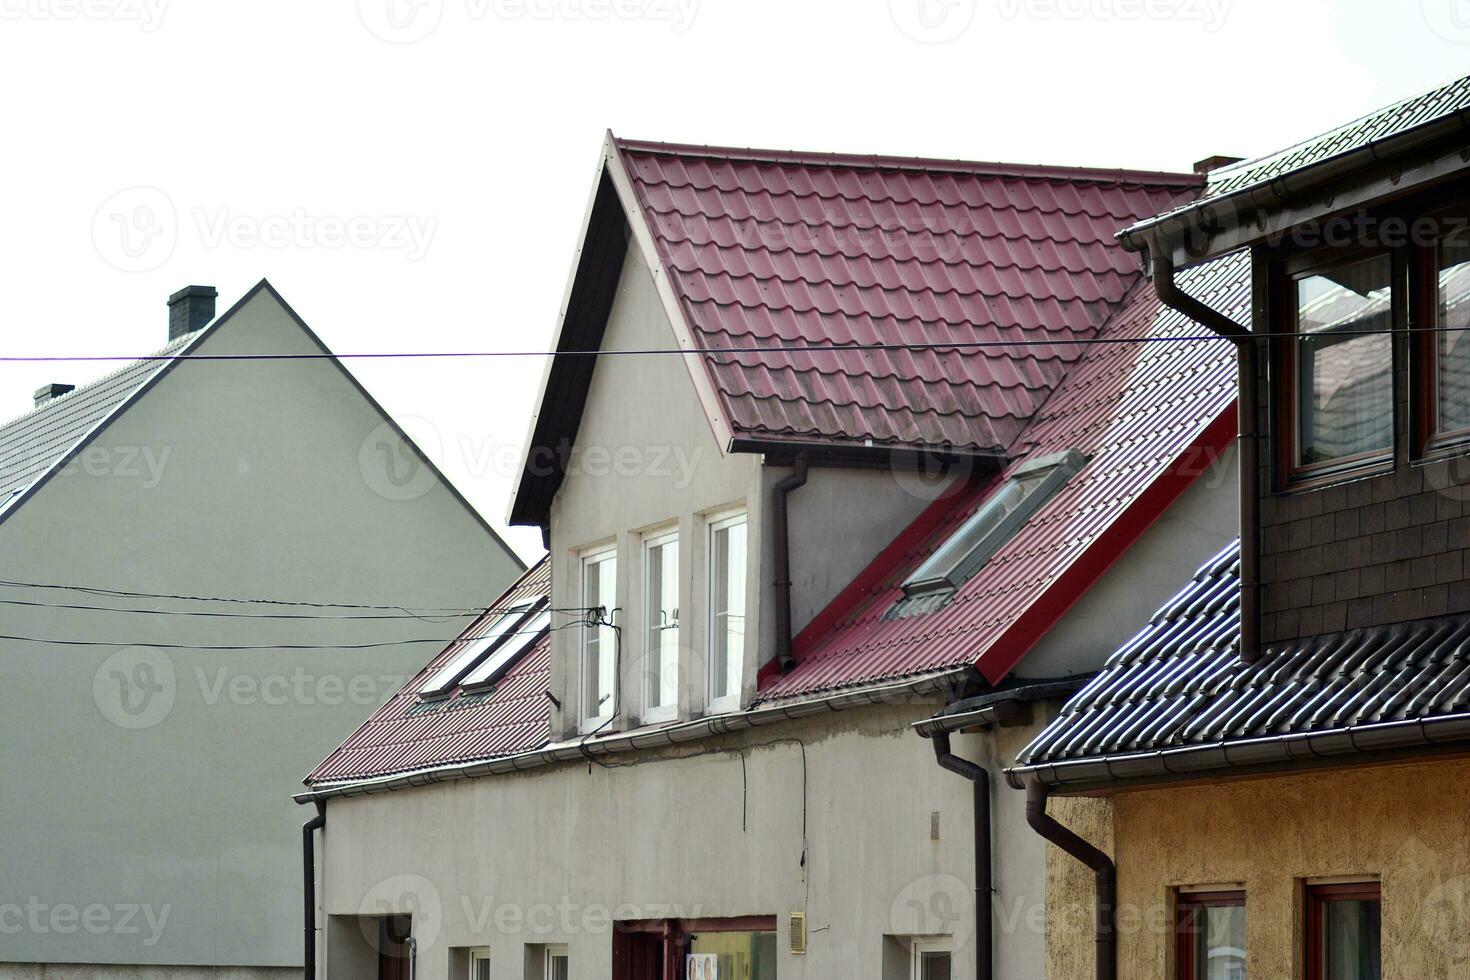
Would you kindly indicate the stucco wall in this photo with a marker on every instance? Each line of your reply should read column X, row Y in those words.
column 177, row 802
column 495, row 861
column 1403, row 823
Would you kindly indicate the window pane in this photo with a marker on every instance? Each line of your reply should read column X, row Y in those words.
column 1350, row 940
column 934, row 966
column 1454, row 352
column 740, row 955
column 1220, row 951
column 662, row 659
column 599, row 588
column 727, row 609
column 1345, row 383
column 556, row 966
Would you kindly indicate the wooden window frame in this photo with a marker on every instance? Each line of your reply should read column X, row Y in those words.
column 1187, row 906
column 1317, row 897
column 1293, row 475
column 1431, row 441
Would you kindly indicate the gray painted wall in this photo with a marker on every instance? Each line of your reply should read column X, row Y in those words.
column 149, row 782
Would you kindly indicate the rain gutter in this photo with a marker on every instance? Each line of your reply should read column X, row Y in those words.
column 795, row 480
column 308, row 886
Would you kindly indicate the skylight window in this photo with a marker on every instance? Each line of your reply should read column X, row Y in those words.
column 446, row 677
column 511, row 651
column 995, row 523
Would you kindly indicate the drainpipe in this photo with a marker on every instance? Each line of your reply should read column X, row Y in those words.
column 1102, row 867
column 308, row 884
column 795, row 480
column 980, row 778
column 1248, row 441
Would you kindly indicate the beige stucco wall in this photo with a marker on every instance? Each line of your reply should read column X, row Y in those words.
column 265, row 486
column 1403, row 823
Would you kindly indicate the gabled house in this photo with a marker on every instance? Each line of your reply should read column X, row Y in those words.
column 212, row 560
column 832, row 445
column 1272, row 770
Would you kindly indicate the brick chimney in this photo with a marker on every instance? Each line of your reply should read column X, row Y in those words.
column 189, row 309
column 1204, row 166
column 56, row 389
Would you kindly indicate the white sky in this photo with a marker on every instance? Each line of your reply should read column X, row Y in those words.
column 484, row 133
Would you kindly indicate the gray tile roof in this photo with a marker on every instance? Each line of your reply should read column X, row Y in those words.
column 1178, row 699
column 35, row 442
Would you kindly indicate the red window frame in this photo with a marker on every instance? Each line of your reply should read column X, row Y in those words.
column 1187, row 907
column 1317, row 898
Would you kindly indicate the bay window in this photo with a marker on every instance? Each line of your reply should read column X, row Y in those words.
column 726, row 612
column 661, row 627
column 1210, row 936
column 1343, row 925
column 599, row 640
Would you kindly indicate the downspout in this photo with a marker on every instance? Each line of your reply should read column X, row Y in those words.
column 980, row 778
column 793, row 481
column 308, row 884
column 1105, row 874
column 1248, row 441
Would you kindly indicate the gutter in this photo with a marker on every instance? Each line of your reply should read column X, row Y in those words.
column 1104, row 873
column 998, row 707
column 308, row 887
column 669, row 735
column 795, row 480
column 1247, row 438
column 984, row 889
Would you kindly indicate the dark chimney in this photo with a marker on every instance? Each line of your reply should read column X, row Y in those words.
column 190, row 309
column 54, row 390
column 1214, row 163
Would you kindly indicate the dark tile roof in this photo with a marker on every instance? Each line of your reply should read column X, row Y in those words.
column 406, row 734
column 1178, row 699
column 767, row 248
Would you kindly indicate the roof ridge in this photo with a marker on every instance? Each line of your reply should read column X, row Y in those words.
column 875, row 161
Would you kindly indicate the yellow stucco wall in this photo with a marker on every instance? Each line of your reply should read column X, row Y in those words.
column 1408, row 824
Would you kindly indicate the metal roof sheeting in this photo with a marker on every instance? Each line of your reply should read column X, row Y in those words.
column 1178, row 698
column 768, row 249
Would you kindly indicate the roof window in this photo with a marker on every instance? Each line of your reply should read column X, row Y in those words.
column 509, row 653
column 474, row 651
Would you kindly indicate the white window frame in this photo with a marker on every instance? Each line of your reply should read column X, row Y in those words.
column 476, row 957
column 938, row 944
column 553, row 953
column 722, row 702
column 662, row 712
column 591, row 722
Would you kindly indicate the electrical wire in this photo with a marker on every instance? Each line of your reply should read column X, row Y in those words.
column 372, row 645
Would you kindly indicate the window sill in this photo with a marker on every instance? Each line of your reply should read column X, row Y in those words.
column 601, row 725
column 721, row 706
column 657, row 716
column 1316, row 479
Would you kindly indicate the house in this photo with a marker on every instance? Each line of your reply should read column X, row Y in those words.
column 1272, row 771
column 212, row 561
column 904, row 436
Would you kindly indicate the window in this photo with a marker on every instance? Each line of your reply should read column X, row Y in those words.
column 1343, row 932
column 1339, row 371
column 1210, row 935
column 1004, row 512
column 1444, row 348
column 723, row 948
column 558, row 961
column 445, row 678
column 526, row 633
column 661, row 626
column 726, row 612
column 932, row 960
column 479, row 964
column 599, row 642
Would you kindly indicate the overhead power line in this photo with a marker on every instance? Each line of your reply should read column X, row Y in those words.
column 375, row 644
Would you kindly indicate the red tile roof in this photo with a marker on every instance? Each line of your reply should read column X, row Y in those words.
column 516, row 716
column 1150, row 416
column 768, row 249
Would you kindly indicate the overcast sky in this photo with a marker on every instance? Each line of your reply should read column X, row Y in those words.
column 461, row 137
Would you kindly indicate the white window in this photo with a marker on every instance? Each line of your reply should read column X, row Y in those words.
column 931, row 960
column 479, row 964
column 558, row 960
column 526, row 633
column 599, row 642
column 726, row 612
column 661, row 618
column 445, row 678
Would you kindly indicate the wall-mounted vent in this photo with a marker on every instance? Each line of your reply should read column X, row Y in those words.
column 798, row 933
